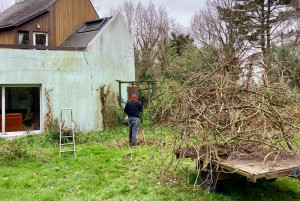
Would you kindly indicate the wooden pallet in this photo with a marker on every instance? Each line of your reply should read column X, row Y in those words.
column 253, row 169
column 257, row 169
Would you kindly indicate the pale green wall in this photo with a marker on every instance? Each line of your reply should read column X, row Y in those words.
column 75, row 77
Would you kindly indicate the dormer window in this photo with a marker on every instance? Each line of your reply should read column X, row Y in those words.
column 24, row 38
column 92, row 25
column 40, row 39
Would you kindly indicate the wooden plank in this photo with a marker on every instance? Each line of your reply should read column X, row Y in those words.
column 31, row 18
column 7, row 36
column 254, row 169
column 70, row 14
column 28, row 47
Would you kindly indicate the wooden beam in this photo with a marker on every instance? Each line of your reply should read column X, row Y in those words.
column 29, row 47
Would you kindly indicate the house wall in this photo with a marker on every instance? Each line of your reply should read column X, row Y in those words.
column 63, row 18
column 113, row 59
column 45, row 23
column 74, row 77
column 69, row 15
column 7, row 37
column 42, row 20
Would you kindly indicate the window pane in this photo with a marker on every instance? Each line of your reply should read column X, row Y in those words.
column 91, row 26
column 41, row 39
column 22, row 108
column 24, row 38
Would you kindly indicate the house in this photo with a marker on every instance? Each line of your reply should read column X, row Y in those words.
column 57, row 54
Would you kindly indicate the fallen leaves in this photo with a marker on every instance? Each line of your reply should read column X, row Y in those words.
column 157, row 185
column 173, row 181
column 71, row 190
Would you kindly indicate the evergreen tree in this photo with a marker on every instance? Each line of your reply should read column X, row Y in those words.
column 255, row 20
column 179, row 42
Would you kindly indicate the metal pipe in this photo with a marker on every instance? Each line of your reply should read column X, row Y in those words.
column 141, row 100
column 120, row 101
column 3, row 110
column 149, row 97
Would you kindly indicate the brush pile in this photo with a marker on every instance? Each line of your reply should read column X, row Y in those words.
column 225, row 114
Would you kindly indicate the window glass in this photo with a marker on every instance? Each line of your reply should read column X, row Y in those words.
column 22, row 109
column 91, row 26
column 41, row 39
column 24, row 38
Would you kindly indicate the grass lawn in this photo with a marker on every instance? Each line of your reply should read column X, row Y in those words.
column 106, row 168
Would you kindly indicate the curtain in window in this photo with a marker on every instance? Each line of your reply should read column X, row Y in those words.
column 21, row 37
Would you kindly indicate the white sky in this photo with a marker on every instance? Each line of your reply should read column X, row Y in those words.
column 180, row 10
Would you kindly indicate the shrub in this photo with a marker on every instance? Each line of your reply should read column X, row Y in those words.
column 113, row 116
column 14, row 151
column 52, row 135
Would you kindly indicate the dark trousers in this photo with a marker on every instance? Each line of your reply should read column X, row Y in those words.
column 134, row 124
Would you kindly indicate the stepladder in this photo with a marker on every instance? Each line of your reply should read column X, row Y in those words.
column 66, row 132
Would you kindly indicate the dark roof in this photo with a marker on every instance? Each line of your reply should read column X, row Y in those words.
column 82, row 39
column 22, row 11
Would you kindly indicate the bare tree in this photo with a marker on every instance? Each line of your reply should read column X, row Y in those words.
column 221, row 35
column 150, row 28
column 288, row 31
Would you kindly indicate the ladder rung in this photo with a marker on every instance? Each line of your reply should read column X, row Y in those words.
column 66, row 136
column 67, row 144
column 67, row 151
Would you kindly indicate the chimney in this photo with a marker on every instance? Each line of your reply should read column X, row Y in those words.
column 19, row 1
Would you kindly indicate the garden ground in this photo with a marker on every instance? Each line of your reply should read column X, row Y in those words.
column 106, row 168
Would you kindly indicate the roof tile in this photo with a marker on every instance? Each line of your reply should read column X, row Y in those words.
column 21, row 11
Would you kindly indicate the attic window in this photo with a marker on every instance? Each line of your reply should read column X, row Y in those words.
column 91, row 26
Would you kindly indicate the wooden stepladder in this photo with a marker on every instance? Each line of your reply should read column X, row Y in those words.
column 66, row 133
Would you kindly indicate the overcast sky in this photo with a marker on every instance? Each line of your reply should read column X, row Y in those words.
column 180, row 10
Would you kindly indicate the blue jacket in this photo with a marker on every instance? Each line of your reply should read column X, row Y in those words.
column 133, row 108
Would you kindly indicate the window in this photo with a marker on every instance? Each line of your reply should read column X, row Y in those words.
column 20, row 107
column 24, row 38
column 40, row 39
column 92, row 26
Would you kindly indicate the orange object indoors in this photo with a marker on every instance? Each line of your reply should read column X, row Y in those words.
column 13, row 122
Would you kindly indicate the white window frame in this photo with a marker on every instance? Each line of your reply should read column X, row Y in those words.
column 34, row 37
column 18, row 133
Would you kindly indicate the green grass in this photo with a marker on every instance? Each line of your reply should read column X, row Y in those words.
column 107, row 169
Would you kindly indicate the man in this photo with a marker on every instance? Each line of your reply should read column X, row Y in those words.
column 133, row 109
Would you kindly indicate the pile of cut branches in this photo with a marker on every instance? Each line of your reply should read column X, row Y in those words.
column 224, row 110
